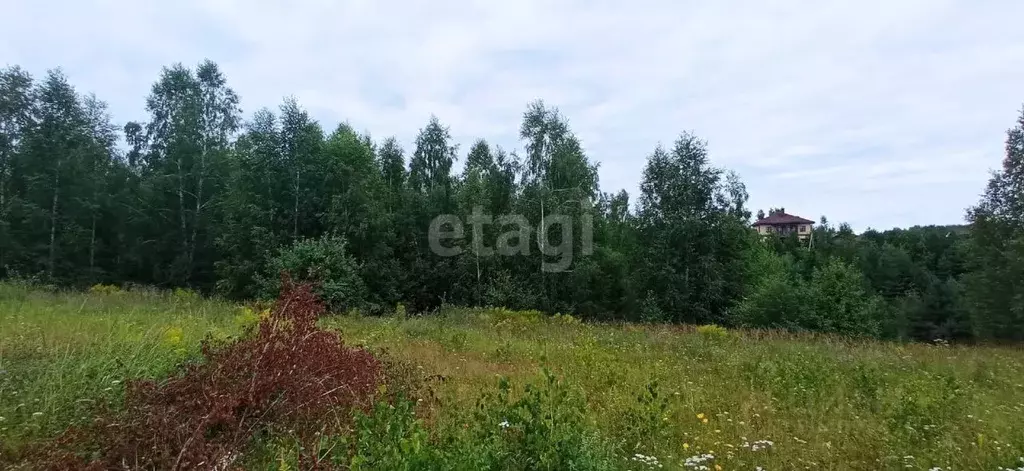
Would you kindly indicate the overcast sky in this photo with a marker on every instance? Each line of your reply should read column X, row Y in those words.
column 878, row 113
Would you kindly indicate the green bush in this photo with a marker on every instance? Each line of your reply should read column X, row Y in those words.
column 323, row 261
column 776, row 298
column 712, row 331
column 835, row 299
column 841, row 303
column 546, row 428
column 392, row 437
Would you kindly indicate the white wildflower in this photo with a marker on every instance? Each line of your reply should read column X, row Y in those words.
column 504, row 424
column 699, row 462
column 651, row 461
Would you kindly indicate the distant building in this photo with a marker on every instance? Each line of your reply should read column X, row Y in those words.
column 778, row 222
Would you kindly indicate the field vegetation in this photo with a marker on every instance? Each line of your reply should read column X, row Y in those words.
column 471, row 388
column 306, row 314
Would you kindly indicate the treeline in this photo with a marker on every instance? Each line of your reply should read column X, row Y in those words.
column 199, row 196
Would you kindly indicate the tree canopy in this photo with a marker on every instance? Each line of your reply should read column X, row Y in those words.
column 200, row 195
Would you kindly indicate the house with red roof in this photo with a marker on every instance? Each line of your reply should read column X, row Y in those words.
column 778, row 222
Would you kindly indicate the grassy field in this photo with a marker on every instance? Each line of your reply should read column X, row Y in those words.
column 655, row 397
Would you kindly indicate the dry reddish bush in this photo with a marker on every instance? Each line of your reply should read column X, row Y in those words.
column 288, row 373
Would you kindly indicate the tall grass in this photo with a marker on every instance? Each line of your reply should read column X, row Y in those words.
column 823, row 402
column 679, row 397
column 63, row 355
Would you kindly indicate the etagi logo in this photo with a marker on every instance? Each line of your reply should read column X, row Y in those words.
column 516, row 241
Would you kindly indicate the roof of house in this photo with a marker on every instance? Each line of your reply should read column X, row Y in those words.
column 782, row 218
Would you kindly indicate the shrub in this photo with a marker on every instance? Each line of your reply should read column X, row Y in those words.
column 650, row 311
column 392, row 437
column 840, row 302
column 776, row 299
column 184, row 294
column 567, row 319
column 104, row 289
column 643, row 423
column 287, row 373
column 835, row 299
column 531, row 316
column 712, row 331
column 503, row 289
column 323, row 262
column 546, row 428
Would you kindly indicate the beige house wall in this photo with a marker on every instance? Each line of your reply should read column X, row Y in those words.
column 803, row 231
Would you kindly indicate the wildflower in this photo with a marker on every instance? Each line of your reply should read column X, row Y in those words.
column 704, row 420
column 504, row 424
column 173, row 336
column 698, row 461
column 686, row 446
column 647, row 460
column 700, row 416
column 718, row 467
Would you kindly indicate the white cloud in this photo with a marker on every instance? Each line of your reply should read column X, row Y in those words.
column 874, row 112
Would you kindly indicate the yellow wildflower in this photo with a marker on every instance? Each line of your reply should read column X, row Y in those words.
column 686, row 446
column 700, row 416
column 173, row 336
column 718, row 467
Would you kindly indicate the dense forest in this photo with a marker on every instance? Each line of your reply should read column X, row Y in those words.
column 201, row 196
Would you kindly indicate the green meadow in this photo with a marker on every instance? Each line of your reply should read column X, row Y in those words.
column 621, row 396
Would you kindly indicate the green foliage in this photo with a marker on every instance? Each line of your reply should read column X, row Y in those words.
column 776, row 297
column 996, row 247
column 839, row 302
column 546, row 428
column 693, row 233
column 712, row 331
column 530, row 316
column 543, row 430
column 392, row 437
column 323, row 261
column 625, row 395
column 646, row 421
column 650, row 311
column 833, row 300
column 198, row 199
